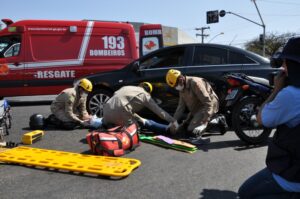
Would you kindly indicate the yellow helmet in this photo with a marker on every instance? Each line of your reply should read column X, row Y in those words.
column 86, row 84
column 172, row 76
column 147, row 86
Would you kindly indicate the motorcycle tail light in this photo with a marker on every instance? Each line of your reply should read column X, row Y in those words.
column 245, row 87
column 233, row 82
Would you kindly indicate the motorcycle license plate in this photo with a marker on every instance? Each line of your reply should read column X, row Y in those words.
column 232, row 95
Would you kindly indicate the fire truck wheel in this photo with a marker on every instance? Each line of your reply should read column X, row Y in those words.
column 96, row 100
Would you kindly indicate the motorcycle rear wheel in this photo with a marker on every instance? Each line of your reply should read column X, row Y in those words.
column 242, row 124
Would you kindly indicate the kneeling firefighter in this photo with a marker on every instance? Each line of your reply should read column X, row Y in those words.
column 197, row 95
column 69, row 106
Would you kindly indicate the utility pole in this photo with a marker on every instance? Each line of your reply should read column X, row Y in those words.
column 202, row 33
column 264, row 28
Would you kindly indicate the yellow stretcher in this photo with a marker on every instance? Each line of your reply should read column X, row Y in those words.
column 100, row 165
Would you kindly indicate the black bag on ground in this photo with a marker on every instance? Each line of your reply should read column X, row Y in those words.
column 52, row 121
column 70, row 125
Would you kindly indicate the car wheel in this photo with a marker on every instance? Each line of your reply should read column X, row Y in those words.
column 96, row 101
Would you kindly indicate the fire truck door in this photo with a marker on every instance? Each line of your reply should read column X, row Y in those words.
column 14, row 80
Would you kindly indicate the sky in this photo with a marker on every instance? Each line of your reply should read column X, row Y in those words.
column 279, row 16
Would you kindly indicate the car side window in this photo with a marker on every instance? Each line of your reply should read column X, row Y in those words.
column 209, row 56
column 167, row 58
column 238, row 58
column 13, row 50
column 10, row 45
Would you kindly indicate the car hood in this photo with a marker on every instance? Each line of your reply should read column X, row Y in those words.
column 109, row 78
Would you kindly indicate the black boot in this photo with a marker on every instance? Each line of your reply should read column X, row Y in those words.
column 222, row 124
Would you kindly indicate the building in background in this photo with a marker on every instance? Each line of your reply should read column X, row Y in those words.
column 171, row 35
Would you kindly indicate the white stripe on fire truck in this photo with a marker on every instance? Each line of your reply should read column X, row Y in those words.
column 85, row 41
column 61, row 63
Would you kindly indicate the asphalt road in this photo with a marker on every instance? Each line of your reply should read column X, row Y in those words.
column 215, row 171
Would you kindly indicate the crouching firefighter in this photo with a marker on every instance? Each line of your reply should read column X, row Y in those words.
column 69, row 107
column 126, row 102
column 197, row 95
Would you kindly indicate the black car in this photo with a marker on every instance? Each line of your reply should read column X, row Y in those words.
column 210, row 61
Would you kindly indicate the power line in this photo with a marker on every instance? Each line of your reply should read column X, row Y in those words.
column 273, row 15
column 288, row 15
column 280, row 2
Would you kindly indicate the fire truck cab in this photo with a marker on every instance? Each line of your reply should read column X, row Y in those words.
column 45, row 56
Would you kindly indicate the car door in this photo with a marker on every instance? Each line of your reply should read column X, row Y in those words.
column 154, row 70
column 212, row 63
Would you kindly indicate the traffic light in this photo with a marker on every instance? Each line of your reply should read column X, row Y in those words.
column 261, row 39
column 212, row 16
column 222, row 13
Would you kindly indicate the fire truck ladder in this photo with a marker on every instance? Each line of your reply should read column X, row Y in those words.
column 61, row 160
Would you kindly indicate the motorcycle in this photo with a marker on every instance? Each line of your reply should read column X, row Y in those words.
column 5, row 119
column 245, row 95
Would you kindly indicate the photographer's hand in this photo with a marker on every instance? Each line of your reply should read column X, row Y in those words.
column 279, row 81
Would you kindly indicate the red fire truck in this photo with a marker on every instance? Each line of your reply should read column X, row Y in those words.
column 45, row 56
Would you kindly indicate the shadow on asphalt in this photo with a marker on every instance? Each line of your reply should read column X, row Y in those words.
column 29, row 103
column 217, row 194
column 246, row 147
column 238, row 145
column 83, row 141
column 47, row 129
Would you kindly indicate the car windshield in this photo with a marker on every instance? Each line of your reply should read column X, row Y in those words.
column 6, row 42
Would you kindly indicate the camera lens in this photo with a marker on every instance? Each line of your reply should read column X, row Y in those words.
column 276, row 62
column 272, row 75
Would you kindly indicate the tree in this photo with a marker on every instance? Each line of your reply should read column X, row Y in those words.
column 273, row 42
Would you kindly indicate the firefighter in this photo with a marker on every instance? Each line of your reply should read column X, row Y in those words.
column 127, row 101
column 69, row 106
column 197, row 95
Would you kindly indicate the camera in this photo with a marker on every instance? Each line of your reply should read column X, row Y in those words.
column 274, row 74
column 275, row 61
